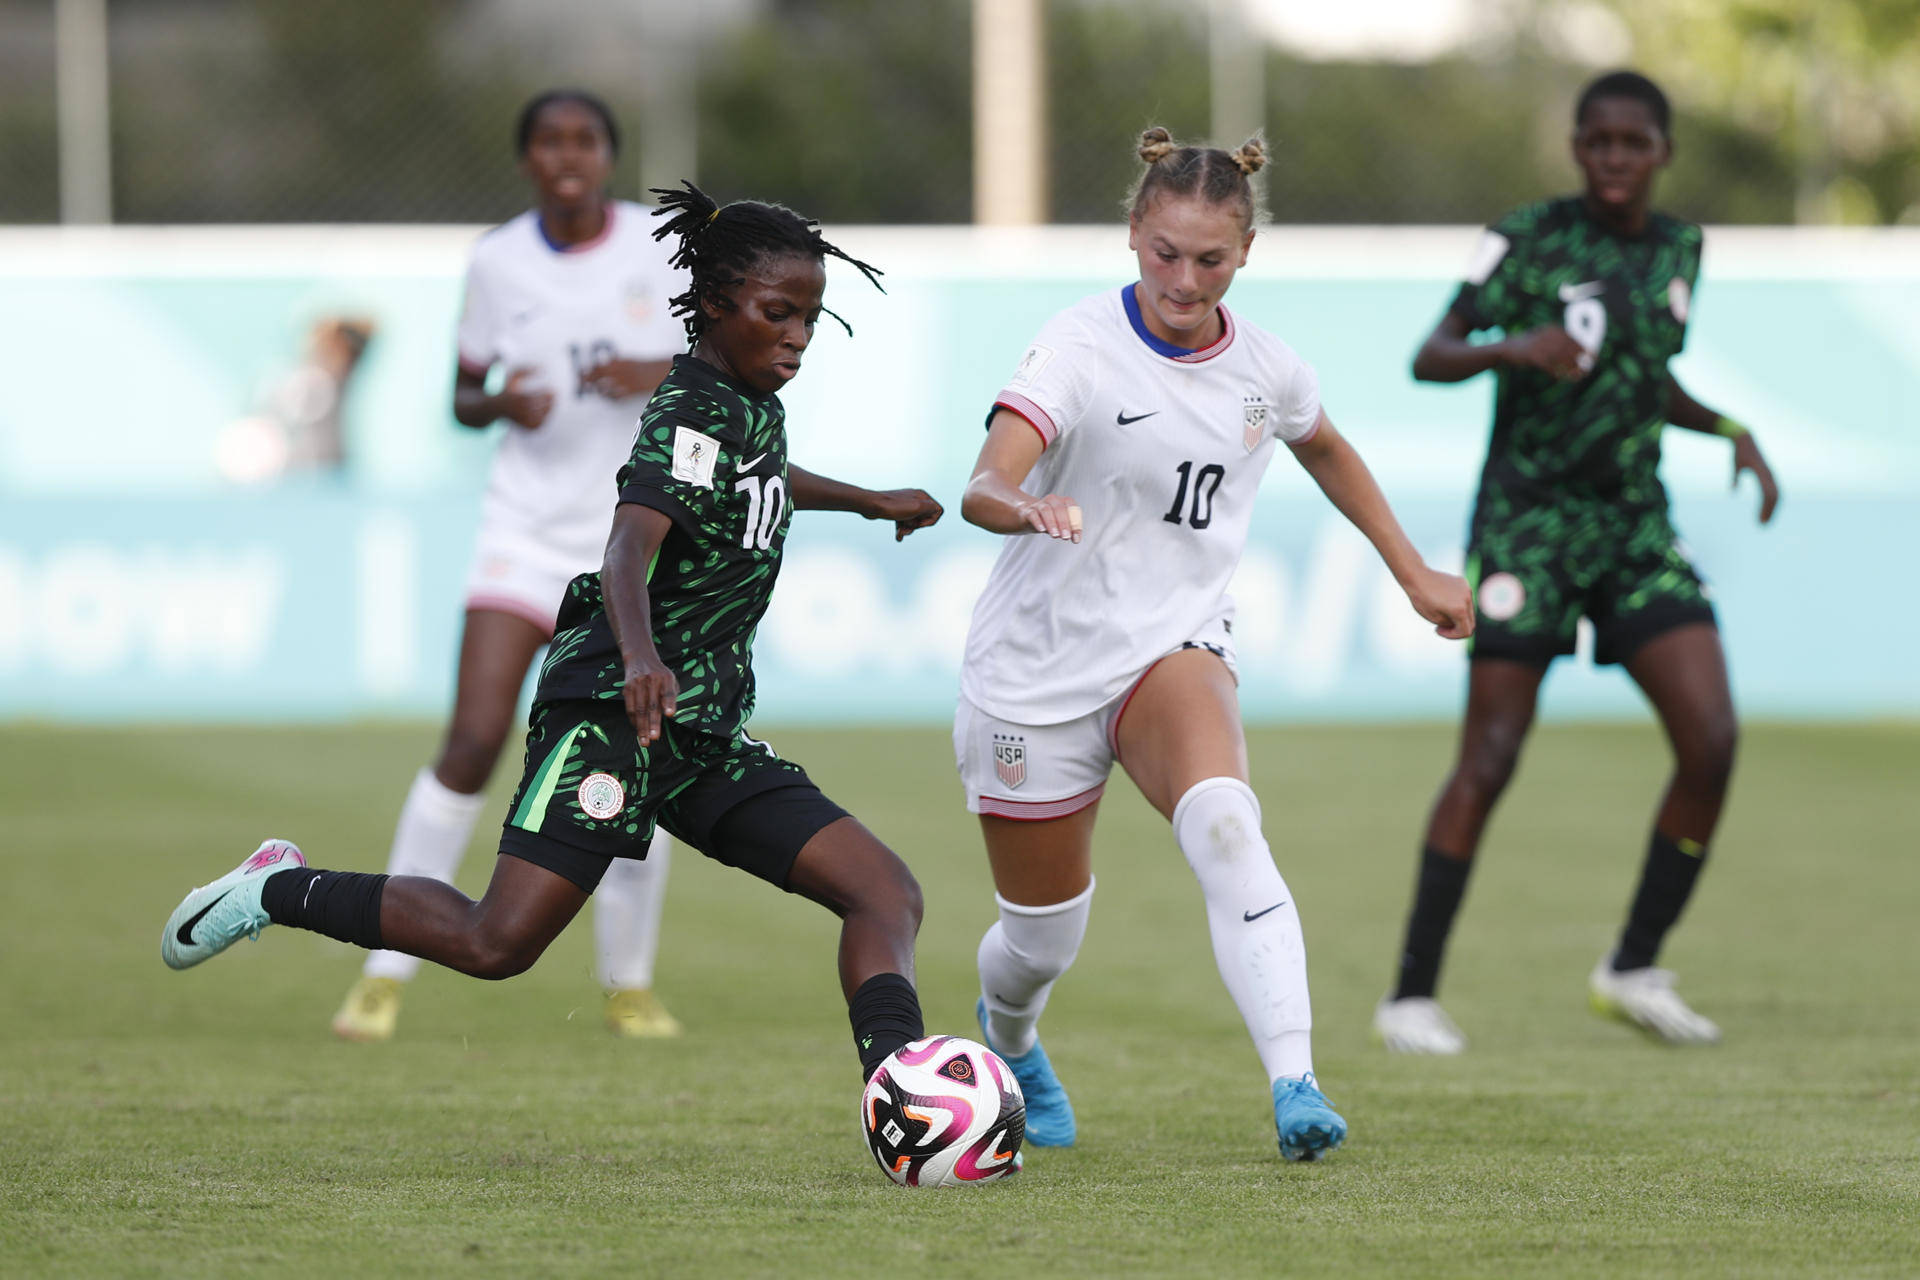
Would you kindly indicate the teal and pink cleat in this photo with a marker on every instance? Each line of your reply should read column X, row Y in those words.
column 215, row 916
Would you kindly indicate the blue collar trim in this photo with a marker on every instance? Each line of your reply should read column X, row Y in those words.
column 1160, row 346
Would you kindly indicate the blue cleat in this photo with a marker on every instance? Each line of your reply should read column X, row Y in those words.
column 1308, row 1125
column 215, row 916
column 1049, row 1114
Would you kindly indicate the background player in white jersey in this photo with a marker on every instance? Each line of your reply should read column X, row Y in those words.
column 571, row 300
column 1133, row 436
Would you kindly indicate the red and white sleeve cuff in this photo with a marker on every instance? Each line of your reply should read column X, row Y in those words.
column 1036, row 417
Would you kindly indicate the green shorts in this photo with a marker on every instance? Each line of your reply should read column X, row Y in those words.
column 591, row 794
column 1537, row 573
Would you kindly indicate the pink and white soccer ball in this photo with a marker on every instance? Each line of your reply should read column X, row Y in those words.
column 944, row 1112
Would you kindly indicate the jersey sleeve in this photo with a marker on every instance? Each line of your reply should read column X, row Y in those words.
column 478, row 337
column 1490, row 296
column 1054, row 382
column 1680, row 292
column 1299, row 405
column 672, row 466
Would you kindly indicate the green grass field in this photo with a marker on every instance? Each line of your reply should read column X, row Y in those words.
column 163, row 1124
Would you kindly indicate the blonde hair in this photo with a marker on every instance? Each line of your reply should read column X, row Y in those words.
column 1213, row 175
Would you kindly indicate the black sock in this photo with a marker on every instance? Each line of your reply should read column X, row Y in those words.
column 1666, row 882
column 1436, row 897
column 340, row 904
column 885, row 1013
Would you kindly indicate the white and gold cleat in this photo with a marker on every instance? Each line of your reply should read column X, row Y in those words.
column 371, row 1010
column 637, row 1014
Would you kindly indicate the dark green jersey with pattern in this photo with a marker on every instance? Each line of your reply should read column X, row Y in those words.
column 1625, row 300
column 712, row 456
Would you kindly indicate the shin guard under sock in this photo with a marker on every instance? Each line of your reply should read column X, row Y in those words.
column 341, row 904
column 885, row 1013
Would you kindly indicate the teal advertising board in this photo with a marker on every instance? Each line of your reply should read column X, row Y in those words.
column 139, row 580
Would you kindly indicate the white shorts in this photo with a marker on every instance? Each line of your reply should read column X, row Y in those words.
column 515, row 572
column 1034, row 772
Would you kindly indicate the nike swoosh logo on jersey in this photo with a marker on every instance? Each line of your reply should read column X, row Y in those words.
column 1575, row 292
column 748, row 466
column 521, row 317
column 1123, row 420
column 186, row 930
column 1251, row 916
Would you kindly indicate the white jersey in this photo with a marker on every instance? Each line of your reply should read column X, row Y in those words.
column 561, row 311
column 1164, row 450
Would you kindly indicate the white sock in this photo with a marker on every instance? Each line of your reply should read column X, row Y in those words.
column 1250, row 911
column 431, row 837
column 1021, row 956
column 626, row 917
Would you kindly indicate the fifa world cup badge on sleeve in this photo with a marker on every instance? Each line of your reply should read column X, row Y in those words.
column 694, row 456
column 1031, row 364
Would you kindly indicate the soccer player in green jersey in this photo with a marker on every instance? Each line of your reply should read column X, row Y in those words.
column 642, row 705
column 1592, row 293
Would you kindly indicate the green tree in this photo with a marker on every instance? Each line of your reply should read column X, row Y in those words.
column 1830, row 86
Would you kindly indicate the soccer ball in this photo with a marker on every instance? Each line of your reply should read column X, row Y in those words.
column 944, row 1112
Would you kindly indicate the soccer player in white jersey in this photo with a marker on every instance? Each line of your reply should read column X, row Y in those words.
column 570, row 301
column 1130, row 443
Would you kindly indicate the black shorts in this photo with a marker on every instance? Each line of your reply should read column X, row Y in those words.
column 1536, row 574
column 591, row 794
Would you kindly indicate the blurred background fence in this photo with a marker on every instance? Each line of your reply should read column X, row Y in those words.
column 1387, row 111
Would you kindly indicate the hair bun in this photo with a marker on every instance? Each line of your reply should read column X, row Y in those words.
column 1156, row 144
column 1251, row 157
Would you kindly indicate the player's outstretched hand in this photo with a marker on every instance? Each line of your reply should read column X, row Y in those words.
column 1552, row 350
column 1445, row 600
column 652, row 695
column 525, row 401
column 1055, row 515
column 1746, row 457
column 622, row 379
column 909, row 509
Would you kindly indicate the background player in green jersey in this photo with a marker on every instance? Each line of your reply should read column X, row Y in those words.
column 1592, row 294
column 642, row 704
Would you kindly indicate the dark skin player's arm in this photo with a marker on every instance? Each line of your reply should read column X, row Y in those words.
column 1450, row 355
column 909, row 509
column 1684, row 411
column 650, row 690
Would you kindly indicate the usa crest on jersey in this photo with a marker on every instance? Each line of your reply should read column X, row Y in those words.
column 1255, row 424
column 1010, row 760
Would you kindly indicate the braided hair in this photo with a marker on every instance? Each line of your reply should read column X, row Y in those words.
column 1219, row 177
column 720, row 244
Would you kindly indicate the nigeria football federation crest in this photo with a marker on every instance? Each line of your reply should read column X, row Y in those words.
column 1010, row 760
column 1255, row 423
column 602, row 796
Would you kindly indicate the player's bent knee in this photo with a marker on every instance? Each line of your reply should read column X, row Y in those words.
column 1488, row 764
column 468, row 758
column 906, row 897
column 1217, row 824
column 494, row 954
column 1708, row 757
column 857, row 873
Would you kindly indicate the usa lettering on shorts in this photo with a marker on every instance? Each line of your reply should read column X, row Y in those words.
column 1010, row 760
